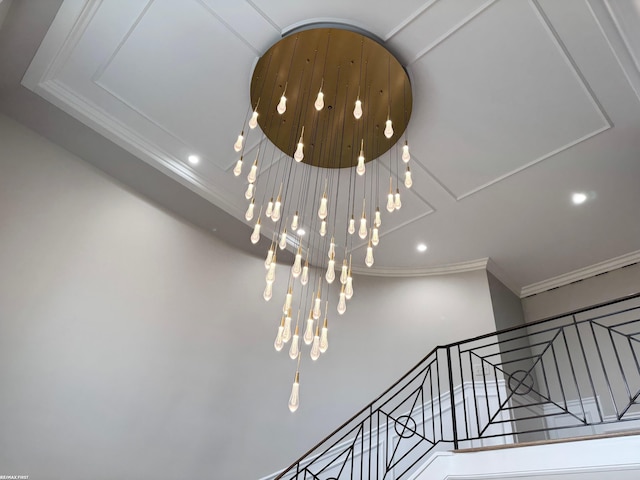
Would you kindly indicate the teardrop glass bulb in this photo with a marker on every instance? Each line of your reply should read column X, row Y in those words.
column 268, row 291
column 323, row 228
column 362, row 231
column 294, row 399
column 360, row 169
column 249, row 213
column 249, row 193
column 368, row 259
column 238, row 145
column 319, row 103
column 255, row 236
column 375, row 237
column 408, row 181
column 357, row 110
column 277, row 206
column 348, row 288
column 279, row 343
column 283, row 240
column 388, row 129
column 294, row 223
column 342, row 302
column 253, row 173
column 331, row 271
column 406, row 156
column 315, row 347
column 269, row 259
column 269, row 210
column 282, row 105
column 332, row 249
column 253, row 123
column 391, row 206
column 295, row 345
column 288, row 299
column 308, row 332
column 324, row 338
column 397, row 203
column 378, row 219
column 305, row 275
column 237, row 170
column 344, row 273
column 299, row 153
column 271, row 273
column 323, row 210
column 296, row 269
column 317, row 308
column 286, row 333
column 352, row 226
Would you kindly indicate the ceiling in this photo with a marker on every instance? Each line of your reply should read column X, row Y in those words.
column 517, row 105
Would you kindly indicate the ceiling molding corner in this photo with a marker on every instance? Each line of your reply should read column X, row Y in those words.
column 581, row 274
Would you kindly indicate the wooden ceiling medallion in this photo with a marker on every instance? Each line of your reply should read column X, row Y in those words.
column 347, row 65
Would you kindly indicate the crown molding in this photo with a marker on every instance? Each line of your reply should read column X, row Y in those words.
column 580, row 274
column 470, row 266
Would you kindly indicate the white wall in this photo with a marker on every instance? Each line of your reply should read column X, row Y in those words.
column 591, row 291
column 134, row 345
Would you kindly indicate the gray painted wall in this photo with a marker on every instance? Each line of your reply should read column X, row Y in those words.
column 134, row 345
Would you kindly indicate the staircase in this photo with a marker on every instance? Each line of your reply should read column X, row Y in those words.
column 569, row 376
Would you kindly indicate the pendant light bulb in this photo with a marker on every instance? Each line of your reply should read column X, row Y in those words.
column 277, row 206
column 362, row 231
column 237, row 170
column 344, row 272
column 348, row 288
column 288, row 299
column 377, row 222
column 308, row 331
column 255, row 236
column 283, row 240
column 253, row 173
column 268, row 291
column 331, row 271
column 286, row 333
column 342, row 302
column 319, row 103
column 323, row 228
column 388, row 129
column 324, row 337
column 238, row 145
column 324, row 209
column 305, row 274
column 269, row 210
column 249, row 213
column 279, row 342
column 282, row 105
column 391, row 206
column 253, row 123
column 269, row 259
column 295, row 345
column 368, row 259
column 332, row 249
column 317, row 307
column 375, row 237
column 299, row 153
column 296, row 269
column 360, row 169
column 408, row 181
column 357, row 110
column 315, row 346
column 406, row 156
column 294, row 223
column 294, row 399
column 397, row 203
column 352, row 226
column 249, row 193
column 271, row 273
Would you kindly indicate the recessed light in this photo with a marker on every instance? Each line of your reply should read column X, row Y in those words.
column 422, row 247
column 193, row 159
column 578, row 198
column 301, row 231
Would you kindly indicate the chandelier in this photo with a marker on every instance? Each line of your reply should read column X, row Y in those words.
column 329, row 101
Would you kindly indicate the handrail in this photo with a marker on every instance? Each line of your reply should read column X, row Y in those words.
column 458, row 373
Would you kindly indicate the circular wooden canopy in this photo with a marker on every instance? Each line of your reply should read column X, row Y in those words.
column 347, row 65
